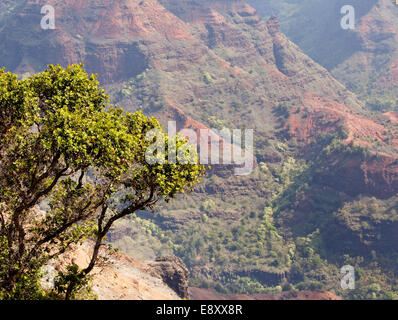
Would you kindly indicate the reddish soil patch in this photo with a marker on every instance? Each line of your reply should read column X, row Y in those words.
column 393, row 115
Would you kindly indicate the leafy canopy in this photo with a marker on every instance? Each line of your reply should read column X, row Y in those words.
column 63, row 147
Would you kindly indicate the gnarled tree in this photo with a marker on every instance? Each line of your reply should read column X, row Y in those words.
column 63, row 145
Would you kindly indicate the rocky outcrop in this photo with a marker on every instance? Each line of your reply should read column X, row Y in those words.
column 173, row 272
column 119, row 277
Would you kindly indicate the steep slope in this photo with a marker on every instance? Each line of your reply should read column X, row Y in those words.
column 218, row 64
column 119, row 277
column 364, row 59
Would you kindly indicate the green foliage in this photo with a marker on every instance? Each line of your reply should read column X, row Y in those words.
column 72, row 275
column 381, row 105
column 62, row 143
column 283, row 110
column 207, row 78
